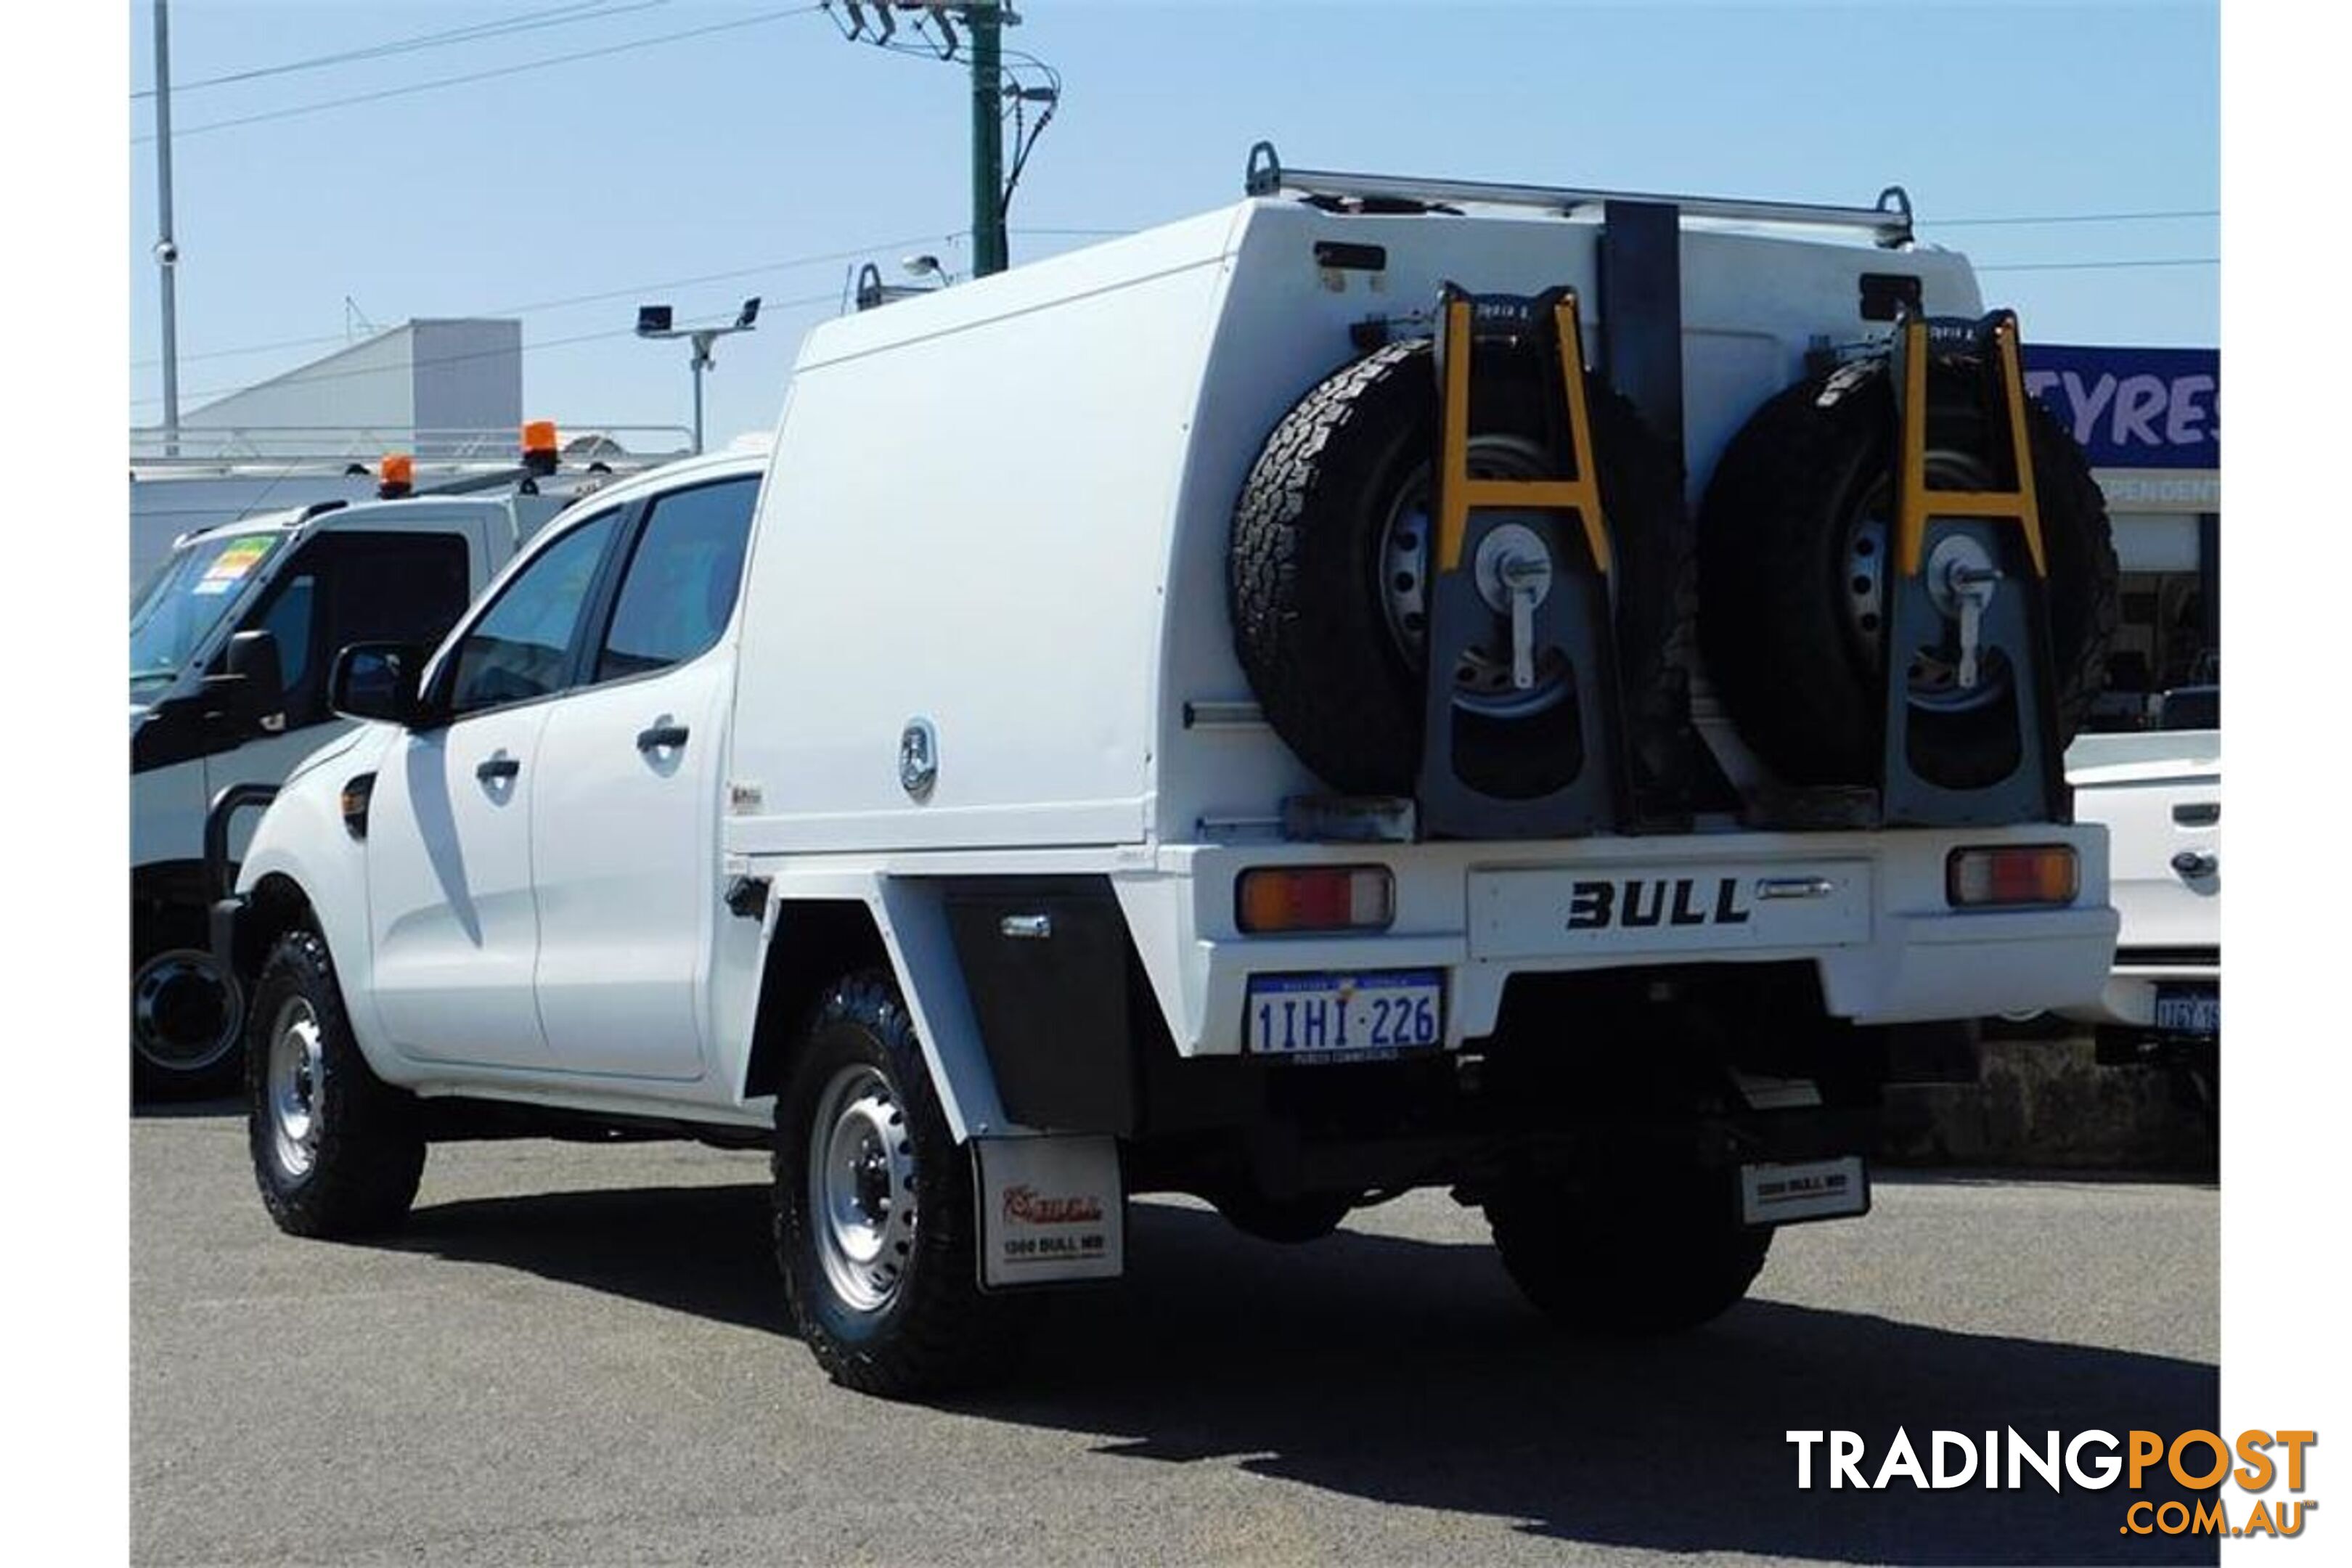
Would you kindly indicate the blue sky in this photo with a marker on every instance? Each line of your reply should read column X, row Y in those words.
column 777, row 140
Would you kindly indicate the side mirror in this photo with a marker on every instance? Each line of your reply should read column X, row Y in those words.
column 252, row 688
column 378, row 680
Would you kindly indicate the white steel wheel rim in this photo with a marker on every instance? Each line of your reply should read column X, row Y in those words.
column 296, row 1086
column 861, row 1188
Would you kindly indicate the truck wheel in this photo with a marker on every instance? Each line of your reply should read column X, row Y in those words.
column 1793, row 543
column 1665, row 1259
column 875, row 1223
column 187, row 1020
column 337, row 1152
column 1329, row 568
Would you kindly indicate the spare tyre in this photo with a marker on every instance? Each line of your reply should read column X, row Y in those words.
column 1793, row 574
column 1329, row 566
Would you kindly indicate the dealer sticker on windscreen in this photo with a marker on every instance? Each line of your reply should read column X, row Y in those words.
column 1344, row 1018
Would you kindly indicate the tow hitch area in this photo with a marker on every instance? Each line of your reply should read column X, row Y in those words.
column 1809, row 1189
column 1051, row 1210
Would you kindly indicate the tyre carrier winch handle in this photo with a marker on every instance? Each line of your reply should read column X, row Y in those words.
column 1977, row 558
column 1503, row 547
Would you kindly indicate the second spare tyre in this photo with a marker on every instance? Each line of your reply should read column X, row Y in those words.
column 1330, row 572
column 1793, row 575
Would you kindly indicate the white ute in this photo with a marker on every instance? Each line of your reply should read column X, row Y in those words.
column 1008, row 796
column 276, row 593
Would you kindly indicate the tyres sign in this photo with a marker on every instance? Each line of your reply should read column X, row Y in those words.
column 2133, row 408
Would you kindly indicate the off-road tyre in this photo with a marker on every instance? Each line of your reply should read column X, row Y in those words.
column 366, row 1148
column 1304, row 573
column 1773, row 573
column 937, row 1330
column 1660, row 1260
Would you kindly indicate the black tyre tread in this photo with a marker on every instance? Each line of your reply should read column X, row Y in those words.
column 1769, row 620
column 1354, row 719
column 1623, row 1272
column 944, row 1332
column 370, row 1151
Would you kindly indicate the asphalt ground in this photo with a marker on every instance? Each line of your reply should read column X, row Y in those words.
column 577, row 1354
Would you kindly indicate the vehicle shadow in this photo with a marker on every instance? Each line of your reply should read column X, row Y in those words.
column 1411, row 1373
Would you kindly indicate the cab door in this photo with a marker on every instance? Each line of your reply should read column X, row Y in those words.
column 624, row 816
column 452, row 917
column 388, row 584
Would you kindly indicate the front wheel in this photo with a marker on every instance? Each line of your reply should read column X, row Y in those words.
column 337, row 1152
column 188, row 1018
column 1657, row 1255
column 875, row 1224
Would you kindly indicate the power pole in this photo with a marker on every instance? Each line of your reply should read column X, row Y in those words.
column 989, row 249
column 992, row 91
column 167, row 249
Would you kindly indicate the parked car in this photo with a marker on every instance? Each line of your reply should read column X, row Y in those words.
column 290, row 588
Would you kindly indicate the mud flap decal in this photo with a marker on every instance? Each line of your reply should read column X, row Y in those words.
column 1810, row 1189
column 1051, row 1210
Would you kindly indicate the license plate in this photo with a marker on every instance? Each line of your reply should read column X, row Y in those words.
column 1805, row 1189
column 2188, row 1012
column 1344, row 1017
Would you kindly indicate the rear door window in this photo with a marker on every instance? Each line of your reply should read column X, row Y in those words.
column 682, row 579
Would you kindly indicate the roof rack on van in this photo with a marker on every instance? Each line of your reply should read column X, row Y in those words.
column 1888, row 223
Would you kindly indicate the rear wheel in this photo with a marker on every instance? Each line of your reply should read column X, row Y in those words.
column 1657, row 1253
column 875, row 1224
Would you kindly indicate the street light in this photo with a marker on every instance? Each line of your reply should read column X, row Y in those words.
column 654, row 321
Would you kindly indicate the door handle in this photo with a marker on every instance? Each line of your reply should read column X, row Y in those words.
column 661, row 737
column 2191, row 864
column 496, row 769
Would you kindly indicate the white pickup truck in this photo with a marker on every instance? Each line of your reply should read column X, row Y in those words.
column 2159, row 795
column 1010, row 794
column 288, row 587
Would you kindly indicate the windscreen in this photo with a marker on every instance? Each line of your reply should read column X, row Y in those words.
column 185, row 599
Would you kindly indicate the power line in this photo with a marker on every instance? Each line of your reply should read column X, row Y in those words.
column 435, row 361
column 529, row 22
column 517, row 68
column 787, row 264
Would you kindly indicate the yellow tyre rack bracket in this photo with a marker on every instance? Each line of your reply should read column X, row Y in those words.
column 1523, row 730
column 1968, row 635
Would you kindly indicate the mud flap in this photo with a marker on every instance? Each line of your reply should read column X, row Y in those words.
column 1786, row 1194
column 1052, row 1210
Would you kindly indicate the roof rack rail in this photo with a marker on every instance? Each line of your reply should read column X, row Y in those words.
column 1888, row 223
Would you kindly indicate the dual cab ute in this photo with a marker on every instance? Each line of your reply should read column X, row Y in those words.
column 1297, row 735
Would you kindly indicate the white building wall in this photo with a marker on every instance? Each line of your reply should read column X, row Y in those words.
column 429, row 375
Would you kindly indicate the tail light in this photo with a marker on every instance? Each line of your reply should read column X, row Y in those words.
column 2010, row 878
column 1314, row 898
